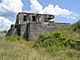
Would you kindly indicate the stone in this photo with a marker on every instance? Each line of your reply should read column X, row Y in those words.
column 30, row 25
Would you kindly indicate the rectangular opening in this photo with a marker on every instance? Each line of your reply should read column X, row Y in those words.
column 49, row 18
column 27, row 31
column 24, row 18
column 33, row 18
column 19, row 30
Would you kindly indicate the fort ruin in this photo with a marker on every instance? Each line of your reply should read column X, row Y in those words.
column 30, row 25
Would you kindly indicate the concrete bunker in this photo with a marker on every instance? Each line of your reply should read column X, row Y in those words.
column 30, row 25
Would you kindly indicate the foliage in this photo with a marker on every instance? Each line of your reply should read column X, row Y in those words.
column 57, row 39
column 15, row 38
column 76, row 26
column 10, row 50
column 47, row 42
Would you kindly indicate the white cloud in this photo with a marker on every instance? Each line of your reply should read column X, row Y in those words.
column 12, row 7
column 36, row 7
column 56, row 10
column 8, row 7
column 5, row 23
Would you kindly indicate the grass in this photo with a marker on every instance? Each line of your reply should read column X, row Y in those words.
column 15, row 48
column 23, row 50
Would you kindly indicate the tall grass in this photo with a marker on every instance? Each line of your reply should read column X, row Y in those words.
column 10, row 50
column 16, row 48
column 57, row 39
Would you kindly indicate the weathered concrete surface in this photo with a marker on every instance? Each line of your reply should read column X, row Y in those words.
column 30, row 25
column 37, row 28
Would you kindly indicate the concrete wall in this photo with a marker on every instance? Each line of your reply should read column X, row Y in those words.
column 30, row 29
column 34, row 29
column 37, row 28
column 38, row 18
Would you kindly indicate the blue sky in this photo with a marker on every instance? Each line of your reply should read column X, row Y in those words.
column 65, row 11
column 68, row 4
column 72, row 5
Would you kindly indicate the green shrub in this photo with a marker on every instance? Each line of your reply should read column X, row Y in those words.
column 56, row 39
column 76, row 26
column 15, row 38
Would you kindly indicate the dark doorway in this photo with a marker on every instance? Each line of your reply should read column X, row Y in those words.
column 27, row 30
column 18, row 30
column 24, row 18
column 33, row 18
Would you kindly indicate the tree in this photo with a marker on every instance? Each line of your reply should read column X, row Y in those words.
column 76, row 26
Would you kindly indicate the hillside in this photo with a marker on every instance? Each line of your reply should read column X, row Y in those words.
column 56, row 45
column 24, row 51
column 46, row 47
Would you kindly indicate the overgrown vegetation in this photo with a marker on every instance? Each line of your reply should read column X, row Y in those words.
column 23, row 50
column 56, row 45
column 58, row 39
column 76, row 26
column 14, row 38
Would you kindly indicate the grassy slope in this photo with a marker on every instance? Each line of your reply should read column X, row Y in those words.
column 24, row 51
